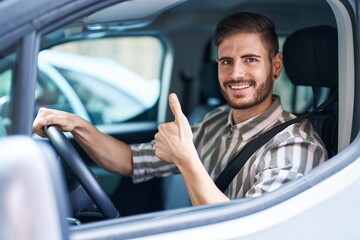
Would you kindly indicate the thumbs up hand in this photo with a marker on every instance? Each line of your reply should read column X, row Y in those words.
column 174, row 144
column 174, row 141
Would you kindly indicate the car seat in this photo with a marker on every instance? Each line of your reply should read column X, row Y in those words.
column 210, row 92
column 310, row 58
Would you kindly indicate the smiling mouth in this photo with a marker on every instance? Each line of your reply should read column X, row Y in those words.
column 242, row 86
column 239, row 85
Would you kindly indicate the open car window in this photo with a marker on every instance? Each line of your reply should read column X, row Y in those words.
column 106, row 81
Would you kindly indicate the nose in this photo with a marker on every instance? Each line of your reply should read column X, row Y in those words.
column 238, row 70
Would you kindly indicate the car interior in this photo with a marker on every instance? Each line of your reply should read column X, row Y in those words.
column 302, row 47
column 182, row 61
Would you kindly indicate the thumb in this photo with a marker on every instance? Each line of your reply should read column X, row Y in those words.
column 175, row 107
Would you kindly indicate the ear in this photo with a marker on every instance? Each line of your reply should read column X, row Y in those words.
column 277, row 64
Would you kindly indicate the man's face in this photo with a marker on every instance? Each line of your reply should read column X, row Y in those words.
column 245, row 71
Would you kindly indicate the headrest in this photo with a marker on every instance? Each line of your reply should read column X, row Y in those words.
column 209, row 76
column 311, row 57
column 209, row 80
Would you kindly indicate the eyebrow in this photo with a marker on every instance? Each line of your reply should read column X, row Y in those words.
column 223, row 58
column 250, row 55
column 242, row 57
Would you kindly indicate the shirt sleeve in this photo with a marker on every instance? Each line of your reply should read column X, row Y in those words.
column 146, row 165
column 284, row 161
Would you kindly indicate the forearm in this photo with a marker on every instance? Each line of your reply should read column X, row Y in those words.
column 201, row 188
column 105, row 150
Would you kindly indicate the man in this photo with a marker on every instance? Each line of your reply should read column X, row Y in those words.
column 249, row 63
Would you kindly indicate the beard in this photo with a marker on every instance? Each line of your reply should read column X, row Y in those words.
column 261, row 93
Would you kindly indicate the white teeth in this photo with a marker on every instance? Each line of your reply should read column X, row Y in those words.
column 239, row 87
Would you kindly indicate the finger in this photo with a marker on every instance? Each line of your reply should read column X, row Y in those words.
column 59, row 120
column 175, row 107
column 156, row 137
column 38, row 126
column 40, row 121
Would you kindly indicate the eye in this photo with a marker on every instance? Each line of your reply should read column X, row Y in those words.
column 225, row 62
column 251, row 60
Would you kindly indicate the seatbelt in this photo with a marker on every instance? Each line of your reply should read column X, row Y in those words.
column 233, row 168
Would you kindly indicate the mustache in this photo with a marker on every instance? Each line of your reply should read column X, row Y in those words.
column 244, row 81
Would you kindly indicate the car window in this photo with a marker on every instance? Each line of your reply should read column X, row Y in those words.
column 7, row 69
column 106, row 81
column 49, row 94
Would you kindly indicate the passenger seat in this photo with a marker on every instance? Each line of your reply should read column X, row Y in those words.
column 311, row 59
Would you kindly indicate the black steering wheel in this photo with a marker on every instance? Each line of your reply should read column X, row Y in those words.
column 81, row 171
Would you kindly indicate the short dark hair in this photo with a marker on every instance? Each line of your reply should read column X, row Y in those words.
column 249, row 23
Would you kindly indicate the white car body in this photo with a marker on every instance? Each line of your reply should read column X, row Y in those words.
column 323, row 204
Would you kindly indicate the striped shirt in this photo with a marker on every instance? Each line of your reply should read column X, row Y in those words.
column 290, row 154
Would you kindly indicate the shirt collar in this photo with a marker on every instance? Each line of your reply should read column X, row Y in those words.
column 259, row 123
